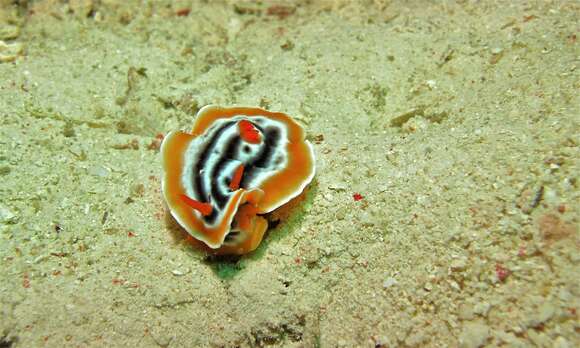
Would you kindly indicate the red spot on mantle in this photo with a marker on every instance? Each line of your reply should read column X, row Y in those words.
column 248, row 132
column 204, row 208
column 235, row 184
column 357, row 197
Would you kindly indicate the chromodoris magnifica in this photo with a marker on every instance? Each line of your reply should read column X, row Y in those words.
column 236, row 165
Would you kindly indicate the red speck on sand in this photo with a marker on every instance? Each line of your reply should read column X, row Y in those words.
column 357, row 197
column 183, row 12
column 501, row 272
column 26, row 282
column 156, row 142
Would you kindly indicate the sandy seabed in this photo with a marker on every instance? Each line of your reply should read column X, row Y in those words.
column 455, row 125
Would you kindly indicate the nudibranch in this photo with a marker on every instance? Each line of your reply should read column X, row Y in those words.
column 236, row 165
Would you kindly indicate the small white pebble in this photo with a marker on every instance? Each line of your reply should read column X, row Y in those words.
column 99, row 171
column 458, row 265
column 454, row 285
column 179, row 273
column 337, row 187
column 482, row 309
column 389, row 282
column 7, row 216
